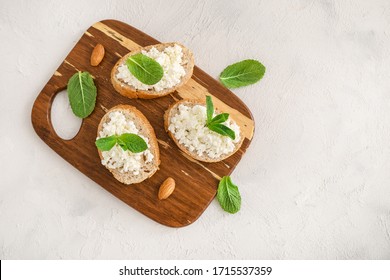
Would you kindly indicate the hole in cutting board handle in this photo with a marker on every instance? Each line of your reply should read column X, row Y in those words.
column 66, row 125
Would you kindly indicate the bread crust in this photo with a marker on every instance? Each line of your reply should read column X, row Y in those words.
column 205, row 158
column 132, row 92
column 124, row 177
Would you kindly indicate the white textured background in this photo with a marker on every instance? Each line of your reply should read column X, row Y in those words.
column 315, row 182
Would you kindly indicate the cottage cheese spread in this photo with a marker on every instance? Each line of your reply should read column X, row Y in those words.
column 171, row 59
column 188, row 127
column 117, row 158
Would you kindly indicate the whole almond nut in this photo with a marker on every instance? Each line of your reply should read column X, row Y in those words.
column 97, row 55
column 166, row 188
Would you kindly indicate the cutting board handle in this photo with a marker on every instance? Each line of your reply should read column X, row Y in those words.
column 41, row 112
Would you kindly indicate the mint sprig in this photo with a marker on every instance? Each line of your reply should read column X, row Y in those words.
column 228, row 195
column 145, row 69
column 242, row 73
column 127, row 141
column 215, row 124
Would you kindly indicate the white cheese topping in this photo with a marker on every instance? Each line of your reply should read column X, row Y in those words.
column 117, row 158
column 188, row 127
column 171, row 59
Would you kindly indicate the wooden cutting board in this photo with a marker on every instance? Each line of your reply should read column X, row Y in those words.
column 196, row 182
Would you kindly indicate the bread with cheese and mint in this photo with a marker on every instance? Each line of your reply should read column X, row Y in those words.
column 176, row 60
column 127, row 167
column 185, row 122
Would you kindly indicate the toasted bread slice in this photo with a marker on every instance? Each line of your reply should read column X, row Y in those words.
column 173, row 110
column 144, row 129
column 132, row 92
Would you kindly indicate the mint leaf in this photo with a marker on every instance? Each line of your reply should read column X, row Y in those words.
column 82, row 94
column 106, row 144
column 222, row 129
column 132, row 142
column 242, row 73
column 145, row 69
column 228, row 195
column 220, row 118
column 209, row 108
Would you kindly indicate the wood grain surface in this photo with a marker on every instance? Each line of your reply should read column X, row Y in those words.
column 196, row 182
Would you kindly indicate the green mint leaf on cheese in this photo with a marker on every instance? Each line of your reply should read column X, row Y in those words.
column 242, row 73
column 223, row 130
column 127, row 141
column 106, row 144
column 145, row 69
column 220, row 118
column 228, row 195
column 215, row 124
column 82, row 94
column 209, row 108
column 132, row 142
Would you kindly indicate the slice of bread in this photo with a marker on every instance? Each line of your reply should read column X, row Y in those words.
column 132, row 92
column 173, row 110
column 144, row 129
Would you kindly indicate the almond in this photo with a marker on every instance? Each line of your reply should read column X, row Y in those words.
column 166, row 188
column 97, row 55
